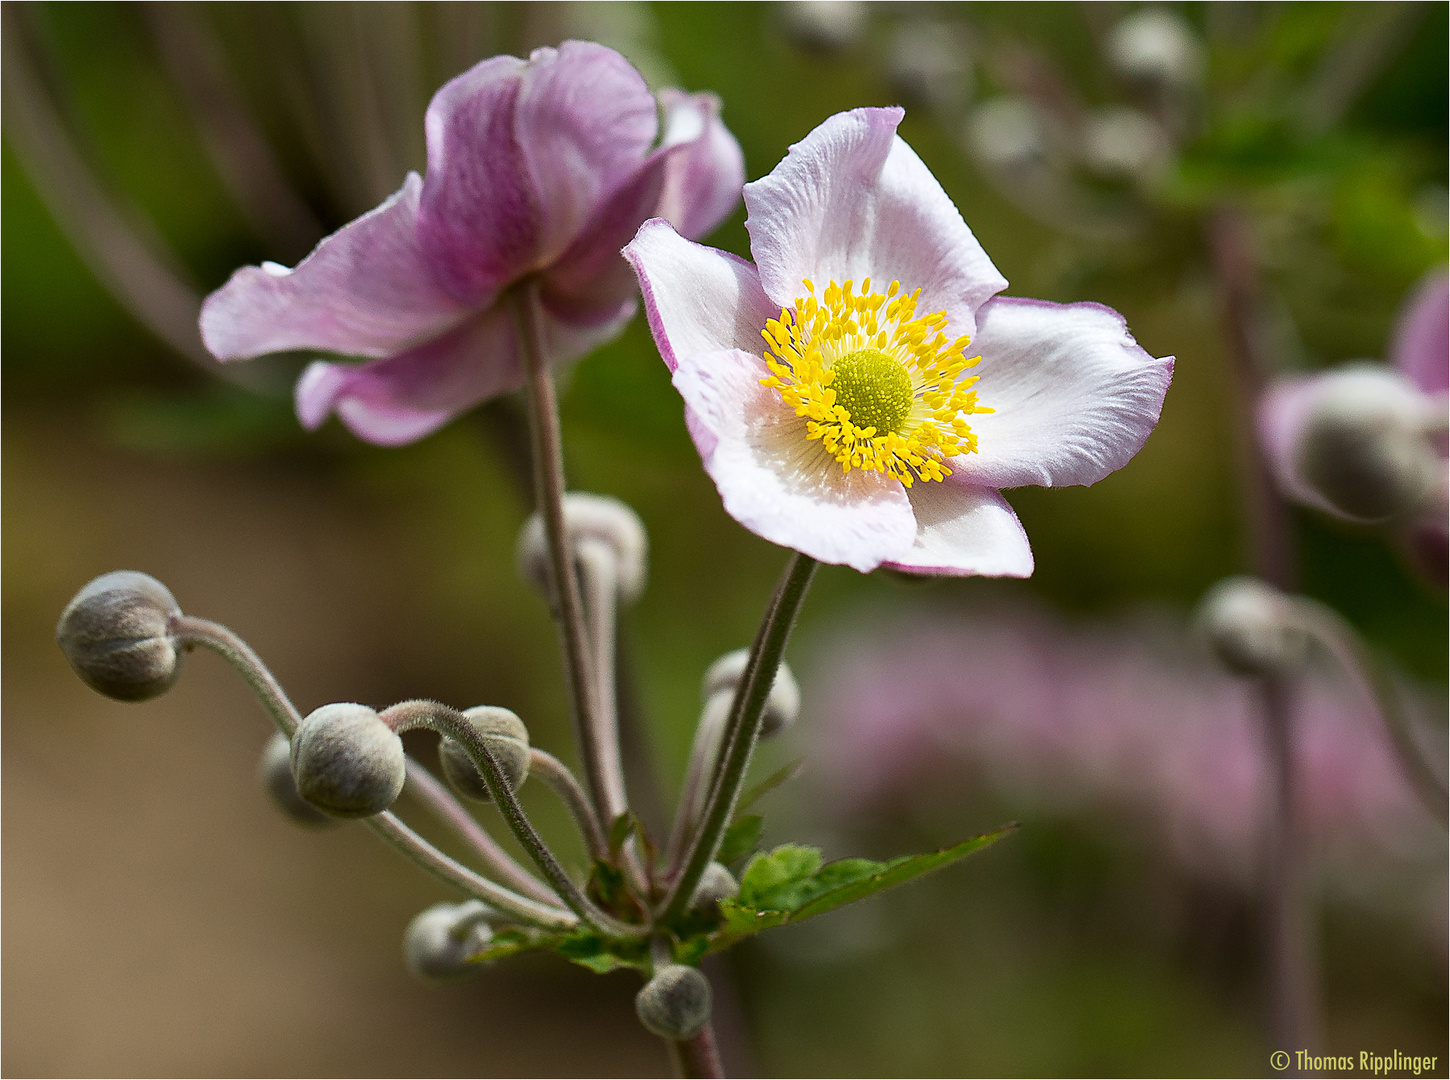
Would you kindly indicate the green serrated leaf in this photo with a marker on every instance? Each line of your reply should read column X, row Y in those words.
column 741, row 921
column 740, row 839
column 509, row 942
column 589, row 950
column 781, row 775
column 773, row 882
column 851, row 884
column 691, row 950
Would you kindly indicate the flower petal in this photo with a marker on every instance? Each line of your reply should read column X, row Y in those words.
column 1421, row 346
column 521, row 154
column 1075, row 397
column 698, row 299
column 962, row 531
column 778, row 484
column 365, row 290
column 851, row 200
column 402, row 398
column 706, row 172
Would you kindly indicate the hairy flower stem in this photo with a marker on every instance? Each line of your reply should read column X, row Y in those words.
column 1341, row 640
column 594, row 744
column 236, row 652
column 556, row 775
column 452, row 723
column 697, row 1056
column 704, row 753
column 742, row 730
column 1292, row 979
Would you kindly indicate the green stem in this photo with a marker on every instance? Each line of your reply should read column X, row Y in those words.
column 742, row 730
column 248, row 664
column 556, row 775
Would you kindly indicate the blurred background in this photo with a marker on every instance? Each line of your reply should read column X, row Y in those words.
column 162, row 919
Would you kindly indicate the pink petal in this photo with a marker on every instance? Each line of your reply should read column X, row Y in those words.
column 1421, row 346
column 1283, row 411
column 366, row 291
column 705, row 174
column 778, row 484
column 521, row 155
column 964, row 531
column 851, row 201
column 1075, row 397
column 698, row 299
column 402, row 398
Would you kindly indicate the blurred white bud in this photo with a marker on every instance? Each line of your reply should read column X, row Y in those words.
column 116, row 633
column 1124, row 142
column 825, row 26
column 1008, row 134
column 716, row 884
column 507, row 739
column 274, row 771
column 783, row 705
column 1364, row 447
column 439, row 941
column 590, row 517
column 930, row 63
column 1156, row 46
column 675, row 1003
column 1251, row 627
column 347, row 762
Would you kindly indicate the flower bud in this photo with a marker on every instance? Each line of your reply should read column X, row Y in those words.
column 1124, row 142
column 1251, row 628
column 274, row 772
column 439, row 941
column 824, row 26
column 116, row 634
column 1156, row 46
column 347, row 762
column 508, row 741
column 1363, row 447
column 716, row 884
column 928, row 63
column 1009, row 134
column 781, row 707
column 675, row 1003
column 590, row 517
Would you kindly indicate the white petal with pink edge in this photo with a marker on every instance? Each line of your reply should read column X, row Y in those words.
column 964, row 531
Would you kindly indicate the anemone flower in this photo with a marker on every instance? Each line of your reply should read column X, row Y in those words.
column 538, row 168
column 825, row 385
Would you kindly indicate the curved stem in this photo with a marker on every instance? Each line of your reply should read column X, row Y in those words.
column 415, row 848
column 704, row 752
column 743, row 729
column 430, row 791
column 599, row 578
column 1343, row 642
column 563, row 783
column 549, row 487
column 446, row 721
column 698, row 1056
column 239, row 654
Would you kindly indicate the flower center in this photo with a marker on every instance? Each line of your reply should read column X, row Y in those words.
column 874, row 389
column 880, row 388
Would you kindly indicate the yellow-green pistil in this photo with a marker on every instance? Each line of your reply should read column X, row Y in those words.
column 880, row 389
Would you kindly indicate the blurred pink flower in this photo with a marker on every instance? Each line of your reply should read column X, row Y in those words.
column 850, row 433
column 541, row 168
column 1099, row 716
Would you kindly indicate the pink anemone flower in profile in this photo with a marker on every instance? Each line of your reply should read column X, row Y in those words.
column 537, row 169
column 826, row 385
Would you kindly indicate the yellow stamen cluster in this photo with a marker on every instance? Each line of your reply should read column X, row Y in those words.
column 880, row 388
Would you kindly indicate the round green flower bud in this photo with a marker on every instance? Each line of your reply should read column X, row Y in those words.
column 1251, row 628
column 781, row 707
column 590, row 518
column 716, row 884
column 116, row 634
column 439, row 941
column 274, row 772
column 675, row 1003
column 347, row 762
column 507, row 739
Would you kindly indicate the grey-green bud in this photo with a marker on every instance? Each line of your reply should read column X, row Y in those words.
column 716, row 884
column 508, row 741
column 116, row 634
column 781, row 707
column 1251, row 627
column 675, row 1003
column 590, row 518
column 274, row 772
column 347, row 762
column 439, row 941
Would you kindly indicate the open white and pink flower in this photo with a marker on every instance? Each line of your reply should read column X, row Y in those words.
column 827, row 388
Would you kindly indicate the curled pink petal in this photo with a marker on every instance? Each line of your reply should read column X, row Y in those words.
column 963, row 531
column 706, row 170
column 776, row 483
column 1075, row 396
column 852, row 201
column 366, row 290
column 1421, row 345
